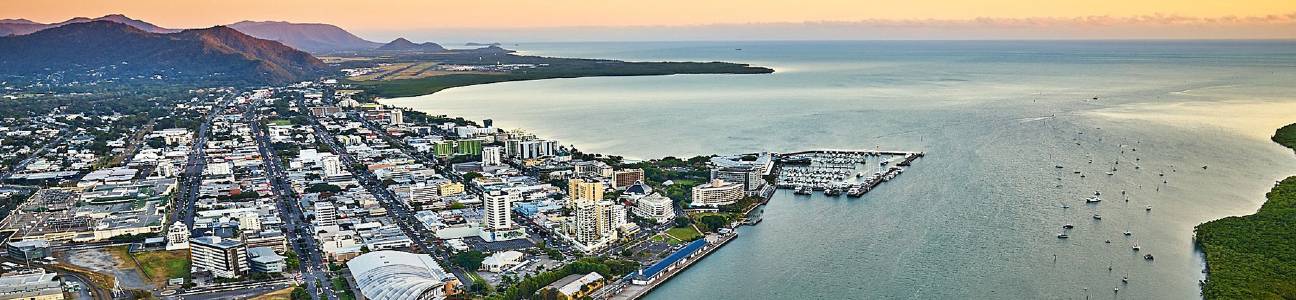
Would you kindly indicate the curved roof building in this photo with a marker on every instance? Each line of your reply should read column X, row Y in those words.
column 395, row 275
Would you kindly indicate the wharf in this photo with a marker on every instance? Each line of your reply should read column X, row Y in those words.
column 624, row 290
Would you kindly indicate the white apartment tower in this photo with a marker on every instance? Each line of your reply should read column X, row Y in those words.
column 497, row 215
column 331, row 164
column 491, row 155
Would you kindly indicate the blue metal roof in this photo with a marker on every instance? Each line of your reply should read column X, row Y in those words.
column 672, row 259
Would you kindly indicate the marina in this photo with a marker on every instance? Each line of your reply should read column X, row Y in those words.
column 837, row 172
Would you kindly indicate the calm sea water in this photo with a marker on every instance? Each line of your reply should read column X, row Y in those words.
column 976, row 218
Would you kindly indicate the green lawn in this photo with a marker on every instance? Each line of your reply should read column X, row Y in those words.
column 281, row 122
column 683, row 234
column 1254, row 257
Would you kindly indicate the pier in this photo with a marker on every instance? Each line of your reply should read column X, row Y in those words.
column 638, row 284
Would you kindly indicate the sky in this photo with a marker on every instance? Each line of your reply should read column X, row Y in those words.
column 709, row 19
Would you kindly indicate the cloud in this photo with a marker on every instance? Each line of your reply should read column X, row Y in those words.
column 1158, row 26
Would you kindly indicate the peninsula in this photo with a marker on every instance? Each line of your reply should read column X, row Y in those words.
column 403, row 74
column 1254, row 257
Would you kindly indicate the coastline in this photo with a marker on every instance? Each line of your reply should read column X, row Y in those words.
column 1252, row 256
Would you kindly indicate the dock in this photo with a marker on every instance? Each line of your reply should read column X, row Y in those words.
column 635, row 286
column 830, row 170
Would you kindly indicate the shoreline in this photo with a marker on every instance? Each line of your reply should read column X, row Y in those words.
column 1235, row 248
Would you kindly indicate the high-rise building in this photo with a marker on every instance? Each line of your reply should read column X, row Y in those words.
column 226, row 258
column 581, row 190
column 611, row 216
column 527, row 149
column 497, row 206
column 491, row 156
column 717, row 193
column 325, row 213
column 331, row 164
column 625, row 178
column 583, row 225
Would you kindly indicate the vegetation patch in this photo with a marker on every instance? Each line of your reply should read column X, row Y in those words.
column 163, row 265
column 1254, row 257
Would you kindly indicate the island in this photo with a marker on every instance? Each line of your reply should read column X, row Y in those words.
column 1254, row 257
column 403, row 74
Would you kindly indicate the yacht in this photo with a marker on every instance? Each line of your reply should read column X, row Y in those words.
column 1068, row 226
column 833, row 192
column 1093, row 199
column 1062, row 236
column 1097, row 217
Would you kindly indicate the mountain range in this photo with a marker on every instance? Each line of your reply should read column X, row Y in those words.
column 309, row 37
column 315, row 38
column 108, row 48
column 24, row 26
column 402, row 44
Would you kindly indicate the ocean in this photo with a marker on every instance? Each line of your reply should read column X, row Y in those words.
column 978, row 216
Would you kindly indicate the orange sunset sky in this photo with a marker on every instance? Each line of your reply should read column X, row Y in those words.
column 386, row 18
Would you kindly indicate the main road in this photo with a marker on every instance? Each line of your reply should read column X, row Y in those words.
column 295, row 226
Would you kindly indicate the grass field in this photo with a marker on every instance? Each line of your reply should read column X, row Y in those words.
column 284, row 294
column 683, row 234
column 163, row 265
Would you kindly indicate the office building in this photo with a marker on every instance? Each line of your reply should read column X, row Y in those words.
column 656, row 207
column 28, row 250
column 582, row 190
column 265, row 260
column 225, row 258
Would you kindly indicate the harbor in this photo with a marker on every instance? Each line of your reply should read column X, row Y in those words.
column 838, row 172
column 636, row 285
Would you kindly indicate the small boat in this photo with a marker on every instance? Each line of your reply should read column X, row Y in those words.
column 803, row 190
column 1110, row 173
column 860, row 174
column 1148, row 257
column 884, row 163
column 1136, row 248
column 1148, row 208
column 1203, row 167
column 1058, row 166
column 1097, row 217
column 1125, row 279
column 1062, row 236
column 1068, row 226
column 833, row 192
column 1093, row 199
column 1127, row 233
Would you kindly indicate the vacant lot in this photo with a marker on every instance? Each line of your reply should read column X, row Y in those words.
column 163, row 265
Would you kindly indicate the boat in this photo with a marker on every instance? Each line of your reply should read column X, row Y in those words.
column 1068, row 226
column 1058, row 166
column 802, row 190
column 1093, row 199
column 855, row 191
column 884, row 163
column 1125, row 279
column 1148, row 208
column 859, row 174
column 1062, row 236
column 1136, row 248
column 1148, row 257
column 1097, row 217
column 1110, row 173
column 1127, row 233
column 833, row 192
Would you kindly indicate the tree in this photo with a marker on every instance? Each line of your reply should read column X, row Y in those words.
column 682, row 221
column 291, row 262
column 471, row 175
column 299, row 293
column 714, row 222
column 469, row 260
column 323, row 187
